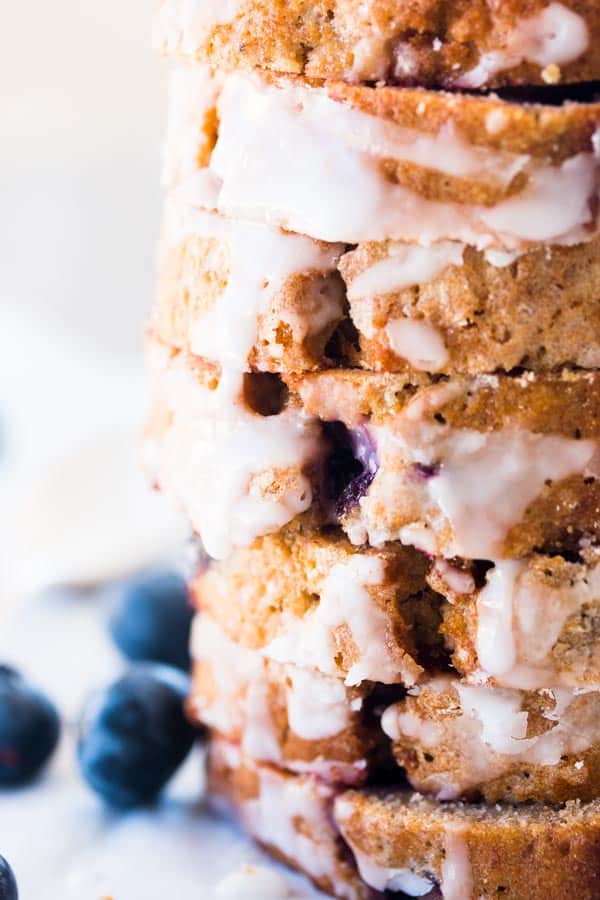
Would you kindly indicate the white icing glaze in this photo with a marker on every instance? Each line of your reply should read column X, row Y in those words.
column 261, row 261
column 495, row 641
column 498, row 712
column 253, row 883
column 193, row 93
column 457, row 876
column 183, row 25
column 241, row 698
column 577, row 725
column 323, row 304
column 344, row 601
column 415, row 535
column 405, row 265
column 496, row 120
column 200, row 464
column 588, row 357
column 232, row 666
column 298, row 109
column 318, row 707
column 533, row 216
column 501, row 258
column 292, row 815
column 259, row 740
column 457, row 580
column 333, row 771
column 519, row 621
column 419, row 342
column 484, row 481
column 397, row 724
column 554, row 36
column 406, row 61
column 267, row 131
column 490, row 734
column 387, row 878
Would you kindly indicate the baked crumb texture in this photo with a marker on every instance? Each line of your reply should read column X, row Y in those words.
column 437, row 44
column 375, row 370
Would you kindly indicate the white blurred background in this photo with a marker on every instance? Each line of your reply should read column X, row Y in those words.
column 82, row 109
column 81, row 115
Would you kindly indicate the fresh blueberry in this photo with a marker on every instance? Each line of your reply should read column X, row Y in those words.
column 29, row 729
column 8, row 884
column 150, row 619
column 135, row 735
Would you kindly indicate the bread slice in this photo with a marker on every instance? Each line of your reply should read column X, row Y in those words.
column 288, row 815
column 461, row 741
column 488, row 467
column 310, row 599
column 451, row 309
column 455, row 851
column 351, row 164
column 441, row 44
column 406, row 844
column 283, row 289
column 446, row 309
column 484, row 468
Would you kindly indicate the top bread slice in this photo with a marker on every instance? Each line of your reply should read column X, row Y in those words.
column 438, row 43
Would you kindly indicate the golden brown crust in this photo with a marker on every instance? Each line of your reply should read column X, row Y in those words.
column 533, row 851
column 547, row 133
column 428, row 41
column 566, row 402
column 442, row 744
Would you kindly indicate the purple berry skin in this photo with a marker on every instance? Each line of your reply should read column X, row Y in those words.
column 351, row 467
column 423, row 472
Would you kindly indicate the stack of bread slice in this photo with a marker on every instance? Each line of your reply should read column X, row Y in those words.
column 375, row 357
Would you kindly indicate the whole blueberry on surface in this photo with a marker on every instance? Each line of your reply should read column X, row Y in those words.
column 8, row 885
column 29, row 729
column 135, row 735
column 150, row 618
